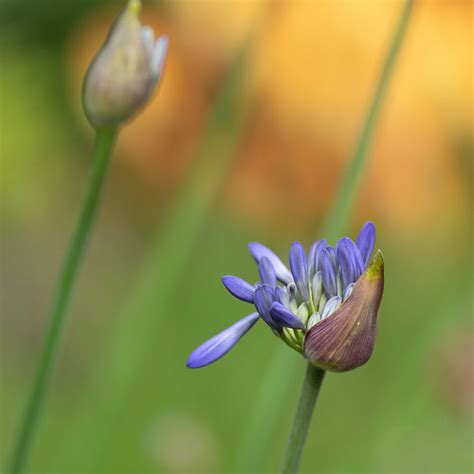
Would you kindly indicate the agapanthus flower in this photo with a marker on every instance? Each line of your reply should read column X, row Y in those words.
column 325, row 305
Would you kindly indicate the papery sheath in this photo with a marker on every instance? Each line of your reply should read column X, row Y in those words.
column 345, row 340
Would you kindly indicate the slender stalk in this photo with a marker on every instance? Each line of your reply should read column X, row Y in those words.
column 266, row 409
column 105, row 139
column 341, row 208
column 309, row 394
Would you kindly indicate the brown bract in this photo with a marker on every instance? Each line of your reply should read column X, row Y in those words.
column 345, row 340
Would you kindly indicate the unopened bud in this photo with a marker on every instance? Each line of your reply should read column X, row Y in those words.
column 123, row 75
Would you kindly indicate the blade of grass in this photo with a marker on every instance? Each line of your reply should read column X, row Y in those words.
column 283, row 367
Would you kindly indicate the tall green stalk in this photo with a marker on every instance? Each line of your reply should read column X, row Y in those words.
column 309, row 394
column 340, row 211
column 105, row 139
column 282, row 368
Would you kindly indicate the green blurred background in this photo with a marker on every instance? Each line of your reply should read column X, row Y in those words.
column 289, row 109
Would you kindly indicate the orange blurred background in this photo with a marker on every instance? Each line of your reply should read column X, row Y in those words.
column 313, row 68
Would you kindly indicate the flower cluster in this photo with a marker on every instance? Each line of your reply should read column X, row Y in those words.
column 324, row 306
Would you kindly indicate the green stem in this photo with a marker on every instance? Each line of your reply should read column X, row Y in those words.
column 105, row 139
column 280, row 371
column 341, row 208
column 309, row 394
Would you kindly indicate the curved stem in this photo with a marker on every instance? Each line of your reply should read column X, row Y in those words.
column 299, row 430
column 105, row 139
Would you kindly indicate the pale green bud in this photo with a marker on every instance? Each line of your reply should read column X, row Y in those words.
column 123, row 75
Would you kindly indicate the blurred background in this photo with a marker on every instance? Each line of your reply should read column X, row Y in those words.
column 247, row 139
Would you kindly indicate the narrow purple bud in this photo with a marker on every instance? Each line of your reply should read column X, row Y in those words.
column 267, row 272
column 239, row 288
column 258, row 251
column 366, row 241
column 285, row 317
column 349, row 260
column 299, row 269
column 220, row 344
column 345, row 264
column 328, row 273
column 264, row 297
column 320, row 246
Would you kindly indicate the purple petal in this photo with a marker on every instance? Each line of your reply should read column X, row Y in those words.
column 366, row 241
column 345, row 264
column 258, row 251
column 320, row 246
column 328, row 273
column 267, row 272
column 332, row 254
column 299, row 269
column 220, row 344
column 285, row 317
column 239, row 288
column 349, row 260
column 264, row 297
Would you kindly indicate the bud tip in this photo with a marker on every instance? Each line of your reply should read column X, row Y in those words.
column 375, row 268
column 134, row 7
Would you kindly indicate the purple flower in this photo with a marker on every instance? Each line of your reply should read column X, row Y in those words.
column 324, row 307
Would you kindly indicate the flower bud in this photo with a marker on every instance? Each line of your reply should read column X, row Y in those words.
column 345, row 339
column 123, row 75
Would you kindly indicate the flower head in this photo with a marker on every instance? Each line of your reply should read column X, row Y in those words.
column 123, row 75
column 325, row 306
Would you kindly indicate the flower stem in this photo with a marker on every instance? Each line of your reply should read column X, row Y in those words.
column 105, row 139
column 309, row 394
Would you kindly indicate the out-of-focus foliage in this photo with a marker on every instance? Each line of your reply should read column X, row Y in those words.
column 312, row 71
